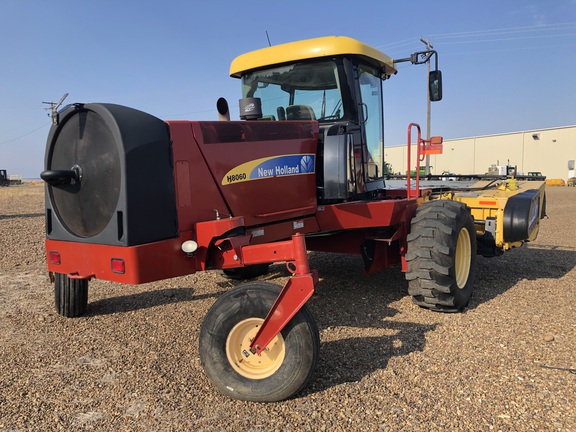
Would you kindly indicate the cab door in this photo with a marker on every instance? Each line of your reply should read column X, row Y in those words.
column 371, row 124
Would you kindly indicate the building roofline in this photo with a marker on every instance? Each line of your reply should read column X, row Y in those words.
column 511, row 133
column 493, row 135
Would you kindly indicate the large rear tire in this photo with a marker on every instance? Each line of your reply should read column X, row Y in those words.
column 281, row 371
column 441, row 256
column 70, row 295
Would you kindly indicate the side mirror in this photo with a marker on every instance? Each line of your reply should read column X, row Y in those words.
column 435, row 85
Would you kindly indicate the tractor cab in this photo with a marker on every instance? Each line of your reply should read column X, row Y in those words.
column 336, row 81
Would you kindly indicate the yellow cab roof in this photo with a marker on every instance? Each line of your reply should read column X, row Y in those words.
column 308, row 49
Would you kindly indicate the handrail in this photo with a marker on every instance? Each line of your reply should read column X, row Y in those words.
column 430, row 146
column 408, row 186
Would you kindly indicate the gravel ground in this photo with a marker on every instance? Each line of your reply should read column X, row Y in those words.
column 132, row 364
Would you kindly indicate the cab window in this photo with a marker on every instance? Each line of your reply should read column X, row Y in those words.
column 312, row 87
column 371, row 91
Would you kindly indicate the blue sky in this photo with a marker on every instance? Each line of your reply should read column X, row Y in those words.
column 507, row 65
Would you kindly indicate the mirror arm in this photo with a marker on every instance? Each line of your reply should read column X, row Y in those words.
column 414, row 58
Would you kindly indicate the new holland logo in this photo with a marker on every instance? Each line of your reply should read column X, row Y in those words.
column 276, row 166
column 307, row 164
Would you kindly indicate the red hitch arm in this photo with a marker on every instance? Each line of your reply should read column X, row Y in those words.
column 293, row 296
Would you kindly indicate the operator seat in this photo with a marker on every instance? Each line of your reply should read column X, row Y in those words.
column 281, row 113
column 300, row 112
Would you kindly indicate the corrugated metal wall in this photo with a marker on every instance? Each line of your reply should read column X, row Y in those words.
column 545, row 150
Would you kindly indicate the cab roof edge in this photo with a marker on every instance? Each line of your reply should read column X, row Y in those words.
column 309, row 49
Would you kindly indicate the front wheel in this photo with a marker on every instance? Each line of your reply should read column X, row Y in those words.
column 70, row 295
column 282, row 369
column 441, row 256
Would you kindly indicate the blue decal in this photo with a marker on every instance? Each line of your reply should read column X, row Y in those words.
column 283, row 166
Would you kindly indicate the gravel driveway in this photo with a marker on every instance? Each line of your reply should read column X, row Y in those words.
column 132, row 364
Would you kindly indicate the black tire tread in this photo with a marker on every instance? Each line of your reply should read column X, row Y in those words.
column 228, row 310
column 70, row 295
column 431, row 256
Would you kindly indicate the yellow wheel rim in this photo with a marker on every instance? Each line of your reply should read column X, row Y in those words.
column 463, row 258
column 250, row 365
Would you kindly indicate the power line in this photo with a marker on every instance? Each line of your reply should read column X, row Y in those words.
column 445, row 37
column 53, row 113
column 504, row 39
column 25, row 135
column 538, row 27
column 495, row 50
column 393, row 45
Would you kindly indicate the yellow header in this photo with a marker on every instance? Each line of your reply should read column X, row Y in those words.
column 308, row 49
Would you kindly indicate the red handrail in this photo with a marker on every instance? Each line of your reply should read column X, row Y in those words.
column 408, row 186
column 429, row 146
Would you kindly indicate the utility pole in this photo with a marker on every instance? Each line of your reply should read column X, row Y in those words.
column 54, row 108
column 429, row 47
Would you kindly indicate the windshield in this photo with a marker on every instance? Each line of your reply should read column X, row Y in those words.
column 303, row 91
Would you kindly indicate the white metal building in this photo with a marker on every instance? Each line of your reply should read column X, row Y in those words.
column 549, row 151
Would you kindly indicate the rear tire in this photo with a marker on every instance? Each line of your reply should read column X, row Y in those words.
column 70, row 295
column 441, row 256
column 281, row 371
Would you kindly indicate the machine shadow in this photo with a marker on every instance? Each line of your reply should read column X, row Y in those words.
column 495, row 276
column 145, row 300
column 351, row 359
column 348, row 303
column 19, row 216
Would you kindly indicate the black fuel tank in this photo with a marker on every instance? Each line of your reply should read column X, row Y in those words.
column 109, row 176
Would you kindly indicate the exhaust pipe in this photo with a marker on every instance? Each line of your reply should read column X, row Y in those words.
column 222, row 107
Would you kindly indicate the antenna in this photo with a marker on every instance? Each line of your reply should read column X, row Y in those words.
column 54, row 108
column 268, row 37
